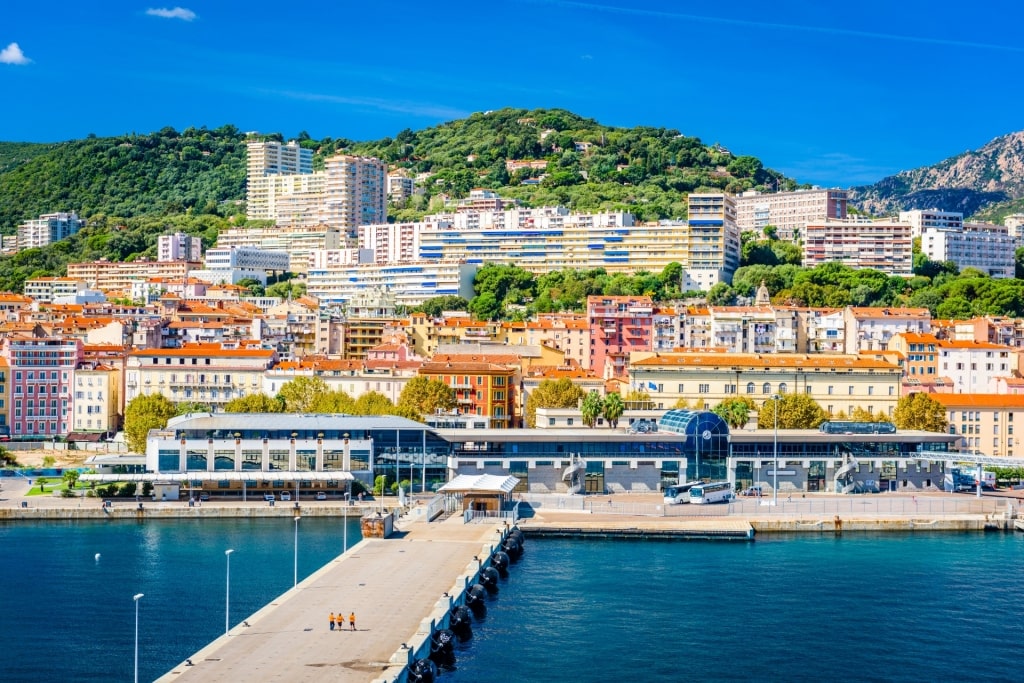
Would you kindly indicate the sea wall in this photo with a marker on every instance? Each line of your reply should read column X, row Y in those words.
column 128, row 510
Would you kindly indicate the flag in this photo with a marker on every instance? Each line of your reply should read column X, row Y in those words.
column 652, row 386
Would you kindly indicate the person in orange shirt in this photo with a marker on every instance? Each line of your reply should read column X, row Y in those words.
column 331, row 618
column 352, row 621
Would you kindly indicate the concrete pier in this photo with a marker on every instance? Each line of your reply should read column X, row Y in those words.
column 395, row 586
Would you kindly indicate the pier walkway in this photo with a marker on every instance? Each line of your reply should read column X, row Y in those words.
column 393, row 585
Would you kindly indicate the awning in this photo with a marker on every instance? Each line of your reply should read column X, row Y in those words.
column 92, row 437
column 480, row 483
column 248, row 475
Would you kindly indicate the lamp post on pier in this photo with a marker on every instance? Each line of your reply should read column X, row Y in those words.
column 136, row 598
column 227, row 591
column 775, row 452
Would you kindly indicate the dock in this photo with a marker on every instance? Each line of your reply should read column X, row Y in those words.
column 652, row 528
column 400, row 588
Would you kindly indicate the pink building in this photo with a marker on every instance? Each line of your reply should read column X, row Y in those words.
column 41, row 371
column 618, row 325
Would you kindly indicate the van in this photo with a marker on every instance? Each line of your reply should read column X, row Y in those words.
column 269, row 497
column 285, row 495
column 754, row 490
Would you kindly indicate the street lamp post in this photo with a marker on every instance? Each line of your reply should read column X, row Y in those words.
column 295, row 575
column 136, row 599
column 775, row 452
column 227, row 591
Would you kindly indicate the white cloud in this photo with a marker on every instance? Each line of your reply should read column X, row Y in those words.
column 12, row 54
column 176, row 13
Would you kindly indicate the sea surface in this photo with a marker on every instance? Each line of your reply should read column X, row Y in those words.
column 807, row 607
column 66, row 616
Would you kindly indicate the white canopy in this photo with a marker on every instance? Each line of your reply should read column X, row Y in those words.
column 480, row 483
column 246, row 475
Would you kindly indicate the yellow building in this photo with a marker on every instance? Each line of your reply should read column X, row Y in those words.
column 96, row 399
column 840, row 384
column 986, row 423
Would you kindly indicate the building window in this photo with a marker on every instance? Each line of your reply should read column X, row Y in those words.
column 850, row 390
column 751, row 388
column 871, row 390
column 783, row 387
column 766, row 388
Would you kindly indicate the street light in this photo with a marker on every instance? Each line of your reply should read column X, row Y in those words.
column 296, row 571
column 775, row 451
column 227, row 591
column 136, row 599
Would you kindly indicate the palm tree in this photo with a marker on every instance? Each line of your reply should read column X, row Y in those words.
column 591, row 407
column 613, row 409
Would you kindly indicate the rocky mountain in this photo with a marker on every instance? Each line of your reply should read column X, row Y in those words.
column 975, row 182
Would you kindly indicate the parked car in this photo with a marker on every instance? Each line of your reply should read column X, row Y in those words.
column 204, row 496
column 321, row 495
column 269, row 497
column 752, row 491
column 285, row 495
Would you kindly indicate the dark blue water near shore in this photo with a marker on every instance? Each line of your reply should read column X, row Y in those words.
column 66, row 616
column 886, row 607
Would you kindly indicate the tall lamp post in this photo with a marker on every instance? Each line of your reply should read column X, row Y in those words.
column 136, row 599
column 775, row 452
column 295, row 575
column 227, row 591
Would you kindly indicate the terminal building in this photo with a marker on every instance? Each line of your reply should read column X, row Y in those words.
column 241, row 455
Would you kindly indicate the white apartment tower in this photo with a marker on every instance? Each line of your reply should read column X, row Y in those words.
column 47, row 229
column 989, row 248
column 789, row 212
column 713, row 241
column 179, row 247
column 264, row 161
column 923, row 219
column 885, row 246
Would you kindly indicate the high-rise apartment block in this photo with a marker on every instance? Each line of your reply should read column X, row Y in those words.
column 282, row 187
column 712, row 241
column 47, row 229
column 989, row 248
column 788, row 212
column 882, row 245
column 266, row 160
column 923, row 219
column 179, row 247
column 41, row 372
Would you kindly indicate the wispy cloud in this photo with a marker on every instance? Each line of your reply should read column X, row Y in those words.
column 827, row 30
column 12, row 54
column 176, row 13
column 437, row 111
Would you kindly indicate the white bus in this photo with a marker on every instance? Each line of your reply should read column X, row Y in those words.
column 715, row 492
column 679, row 493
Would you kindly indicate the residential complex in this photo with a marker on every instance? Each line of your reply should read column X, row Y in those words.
column 264, row 162
column 881, row 245
column 47, row 229
column 40, row 373
column 931, row 219
column 788, row 212
column 988, row 248
column 179, row 247
column 233, row 264
column 411, row 283
column 298, row 242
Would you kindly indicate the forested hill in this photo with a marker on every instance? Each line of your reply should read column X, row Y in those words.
column 161, row 173
column 587, row 166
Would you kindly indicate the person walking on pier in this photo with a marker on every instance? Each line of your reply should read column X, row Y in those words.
column 331, row 619
column 352, row 621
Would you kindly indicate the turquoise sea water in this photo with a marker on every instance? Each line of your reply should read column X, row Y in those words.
column 806, row 607
column 892, row 607
column 66, row 616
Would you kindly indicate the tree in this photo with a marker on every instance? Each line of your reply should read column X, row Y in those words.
column 550, row 393
column 71, row 477
column 254, row 403
column 424, row 396
column 192, row 407
column 485, row 307
column 302, row 393
column 613, row 409
column 796, row 411
column 143, row 413
column 638, row 400
column 721, row 294
column 920, row 411
column 591, row 408
column 336, row 401
column 736, row 411
column 373, row 403
column 863, row 415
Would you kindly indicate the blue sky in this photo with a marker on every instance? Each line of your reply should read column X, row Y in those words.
column 830, row 93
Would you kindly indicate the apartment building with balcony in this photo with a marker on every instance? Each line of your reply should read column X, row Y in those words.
column 975, row 367
column 619, row 325
column 932, row 219
column 825, row 329
column 230, row 265
column 199, row 373
column 410, row 283
column 839, row 383
column 885, row 246
column 264, row 161
column 108, row 276
column 871, row 328
column 5, row 398
column 41, row 371
column 298, row 242
column 788, row 212
column 96, row 399
column 179, row 247
column 45, row 289
column 47, row 229
column 988, row 248
column 355, row 192
column 481, row 388
column 713, row 241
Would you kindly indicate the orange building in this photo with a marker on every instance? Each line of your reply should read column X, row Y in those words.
column 481, row 387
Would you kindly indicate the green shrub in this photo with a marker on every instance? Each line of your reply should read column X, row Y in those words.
column 128, row 489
